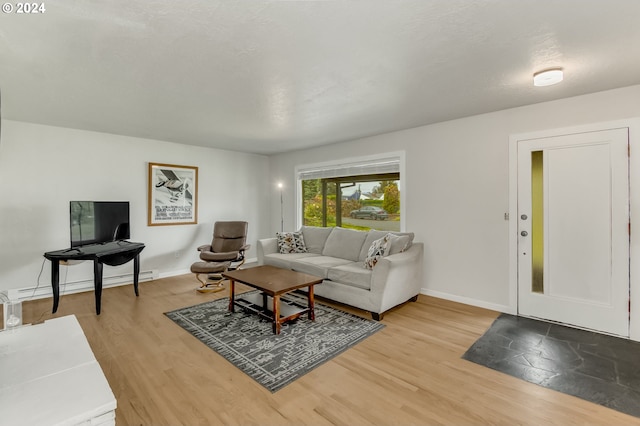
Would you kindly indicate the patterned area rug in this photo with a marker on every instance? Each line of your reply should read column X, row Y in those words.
column 274, row 361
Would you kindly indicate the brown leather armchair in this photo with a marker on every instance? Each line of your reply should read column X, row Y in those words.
column 226, row 252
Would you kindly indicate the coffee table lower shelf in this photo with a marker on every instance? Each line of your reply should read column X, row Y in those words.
column 262, row 305
column 273, row 283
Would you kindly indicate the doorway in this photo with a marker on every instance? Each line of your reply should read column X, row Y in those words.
column 573, row 229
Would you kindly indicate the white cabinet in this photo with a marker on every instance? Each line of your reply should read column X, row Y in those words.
column 49, row 376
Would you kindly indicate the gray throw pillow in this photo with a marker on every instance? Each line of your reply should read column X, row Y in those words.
column 398, row 243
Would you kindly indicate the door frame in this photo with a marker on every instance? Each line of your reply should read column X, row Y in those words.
column 633, row 126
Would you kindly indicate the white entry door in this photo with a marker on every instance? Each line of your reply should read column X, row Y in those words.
column 573, row 225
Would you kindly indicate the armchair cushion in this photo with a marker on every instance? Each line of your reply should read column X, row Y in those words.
column 210, row 256
column 228, row 236
column 228, row 243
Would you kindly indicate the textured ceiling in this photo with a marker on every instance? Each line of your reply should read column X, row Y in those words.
column 274, row 76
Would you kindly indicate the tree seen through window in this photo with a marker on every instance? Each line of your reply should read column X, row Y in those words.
column 356, row 202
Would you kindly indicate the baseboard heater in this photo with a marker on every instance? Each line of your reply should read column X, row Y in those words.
column 44, row 290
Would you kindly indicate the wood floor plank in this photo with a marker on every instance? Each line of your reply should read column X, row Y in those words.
column 410, row 373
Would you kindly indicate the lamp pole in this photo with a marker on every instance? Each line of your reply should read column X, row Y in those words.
column 281, row 208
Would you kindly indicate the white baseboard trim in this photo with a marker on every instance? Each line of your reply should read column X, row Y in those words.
column 174, row 273
column 469, row 301
column 42, row 290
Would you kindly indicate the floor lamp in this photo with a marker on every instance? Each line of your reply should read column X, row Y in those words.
column 281, row 208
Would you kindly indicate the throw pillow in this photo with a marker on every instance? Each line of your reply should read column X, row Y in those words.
column 376, row 251
column 398, row 243
column 290, row 242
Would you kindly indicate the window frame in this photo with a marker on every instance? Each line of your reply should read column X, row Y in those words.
column 344, row 164
column 338, row 181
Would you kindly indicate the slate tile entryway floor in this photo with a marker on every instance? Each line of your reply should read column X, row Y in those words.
column 595, row 367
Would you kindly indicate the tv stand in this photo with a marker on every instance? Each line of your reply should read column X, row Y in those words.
column 113, row 253
column 77, row 250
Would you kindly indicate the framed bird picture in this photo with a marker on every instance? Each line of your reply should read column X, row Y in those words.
column 173, row 195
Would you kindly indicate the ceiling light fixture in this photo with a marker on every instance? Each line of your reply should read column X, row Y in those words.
column 548, row 77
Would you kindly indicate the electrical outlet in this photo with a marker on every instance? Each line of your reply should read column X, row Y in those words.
column 177, row 253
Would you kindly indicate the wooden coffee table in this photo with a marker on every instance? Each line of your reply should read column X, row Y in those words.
column 273, row 283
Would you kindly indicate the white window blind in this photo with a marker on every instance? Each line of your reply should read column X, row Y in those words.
column 371, row 167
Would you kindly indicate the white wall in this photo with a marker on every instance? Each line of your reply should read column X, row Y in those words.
column 457, row 187
column 42, row 168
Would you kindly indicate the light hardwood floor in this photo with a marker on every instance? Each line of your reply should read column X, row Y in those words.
column 408, row 373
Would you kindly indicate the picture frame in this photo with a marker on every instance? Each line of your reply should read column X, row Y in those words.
column 172, row 195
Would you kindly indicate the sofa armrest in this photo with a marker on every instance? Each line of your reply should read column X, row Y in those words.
column 399, row 276
column 266, row 246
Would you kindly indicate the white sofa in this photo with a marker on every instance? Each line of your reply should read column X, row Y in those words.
column 338, row 255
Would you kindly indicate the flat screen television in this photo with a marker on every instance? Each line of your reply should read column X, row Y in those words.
column 96, row 222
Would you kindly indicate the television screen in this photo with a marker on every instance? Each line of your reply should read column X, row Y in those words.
column 94, row 222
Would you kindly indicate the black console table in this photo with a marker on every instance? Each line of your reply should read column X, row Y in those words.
column 113, row 253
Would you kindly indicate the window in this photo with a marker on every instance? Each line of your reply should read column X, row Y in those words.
column 350, row 196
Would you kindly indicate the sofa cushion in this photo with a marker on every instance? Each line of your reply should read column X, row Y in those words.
column 398, row 243
column 399, row 248
column 315, row 238
column 344, row 243
column 371, row 237
column 352, row 274
column 284, row 260
column 291, row 242
column 378, row 249
column 317, row 265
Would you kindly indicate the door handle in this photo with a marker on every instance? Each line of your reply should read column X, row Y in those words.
column 524, row 233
